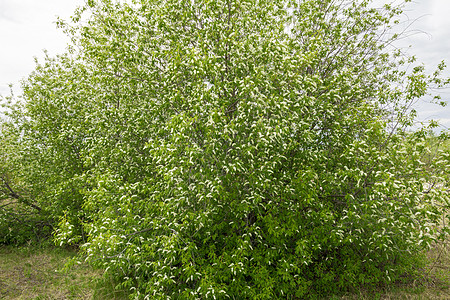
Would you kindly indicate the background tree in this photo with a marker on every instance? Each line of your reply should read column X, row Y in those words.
column 43, row 143
column 246, row 149
column 19, row 215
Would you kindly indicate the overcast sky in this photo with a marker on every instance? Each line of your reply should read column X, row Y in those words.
column 27, row 27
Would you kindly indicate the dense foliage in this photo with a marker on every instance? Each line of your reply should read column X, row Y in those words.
column 229, row 149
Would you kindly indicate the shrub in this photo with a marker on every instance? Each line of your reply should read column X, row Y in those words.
column 237, row 149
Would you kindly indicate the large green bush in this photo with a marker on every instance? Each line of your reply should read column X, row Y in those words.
column 234, row 149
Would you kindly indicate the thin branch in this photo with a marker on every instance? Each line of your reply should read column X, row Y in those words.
column 14, row 195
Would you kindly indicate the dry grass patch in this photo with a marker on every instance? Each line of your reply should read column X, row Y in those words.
column 38, row 273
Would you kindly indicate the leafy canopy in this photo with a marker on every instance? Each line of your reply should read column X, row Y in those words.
column 244, row 149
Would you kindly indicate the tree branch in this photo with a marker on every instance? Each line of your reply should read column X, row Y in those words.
column 16, row 196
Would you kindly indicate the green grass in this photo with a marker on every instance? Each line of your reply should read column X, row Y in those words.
column 38, row 273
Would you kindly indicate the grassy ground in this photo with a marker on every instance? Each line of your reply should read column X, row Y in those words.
column 37, row 273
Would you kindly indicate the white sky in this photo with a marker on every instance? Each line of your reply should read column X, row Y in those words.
column 27, row 27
